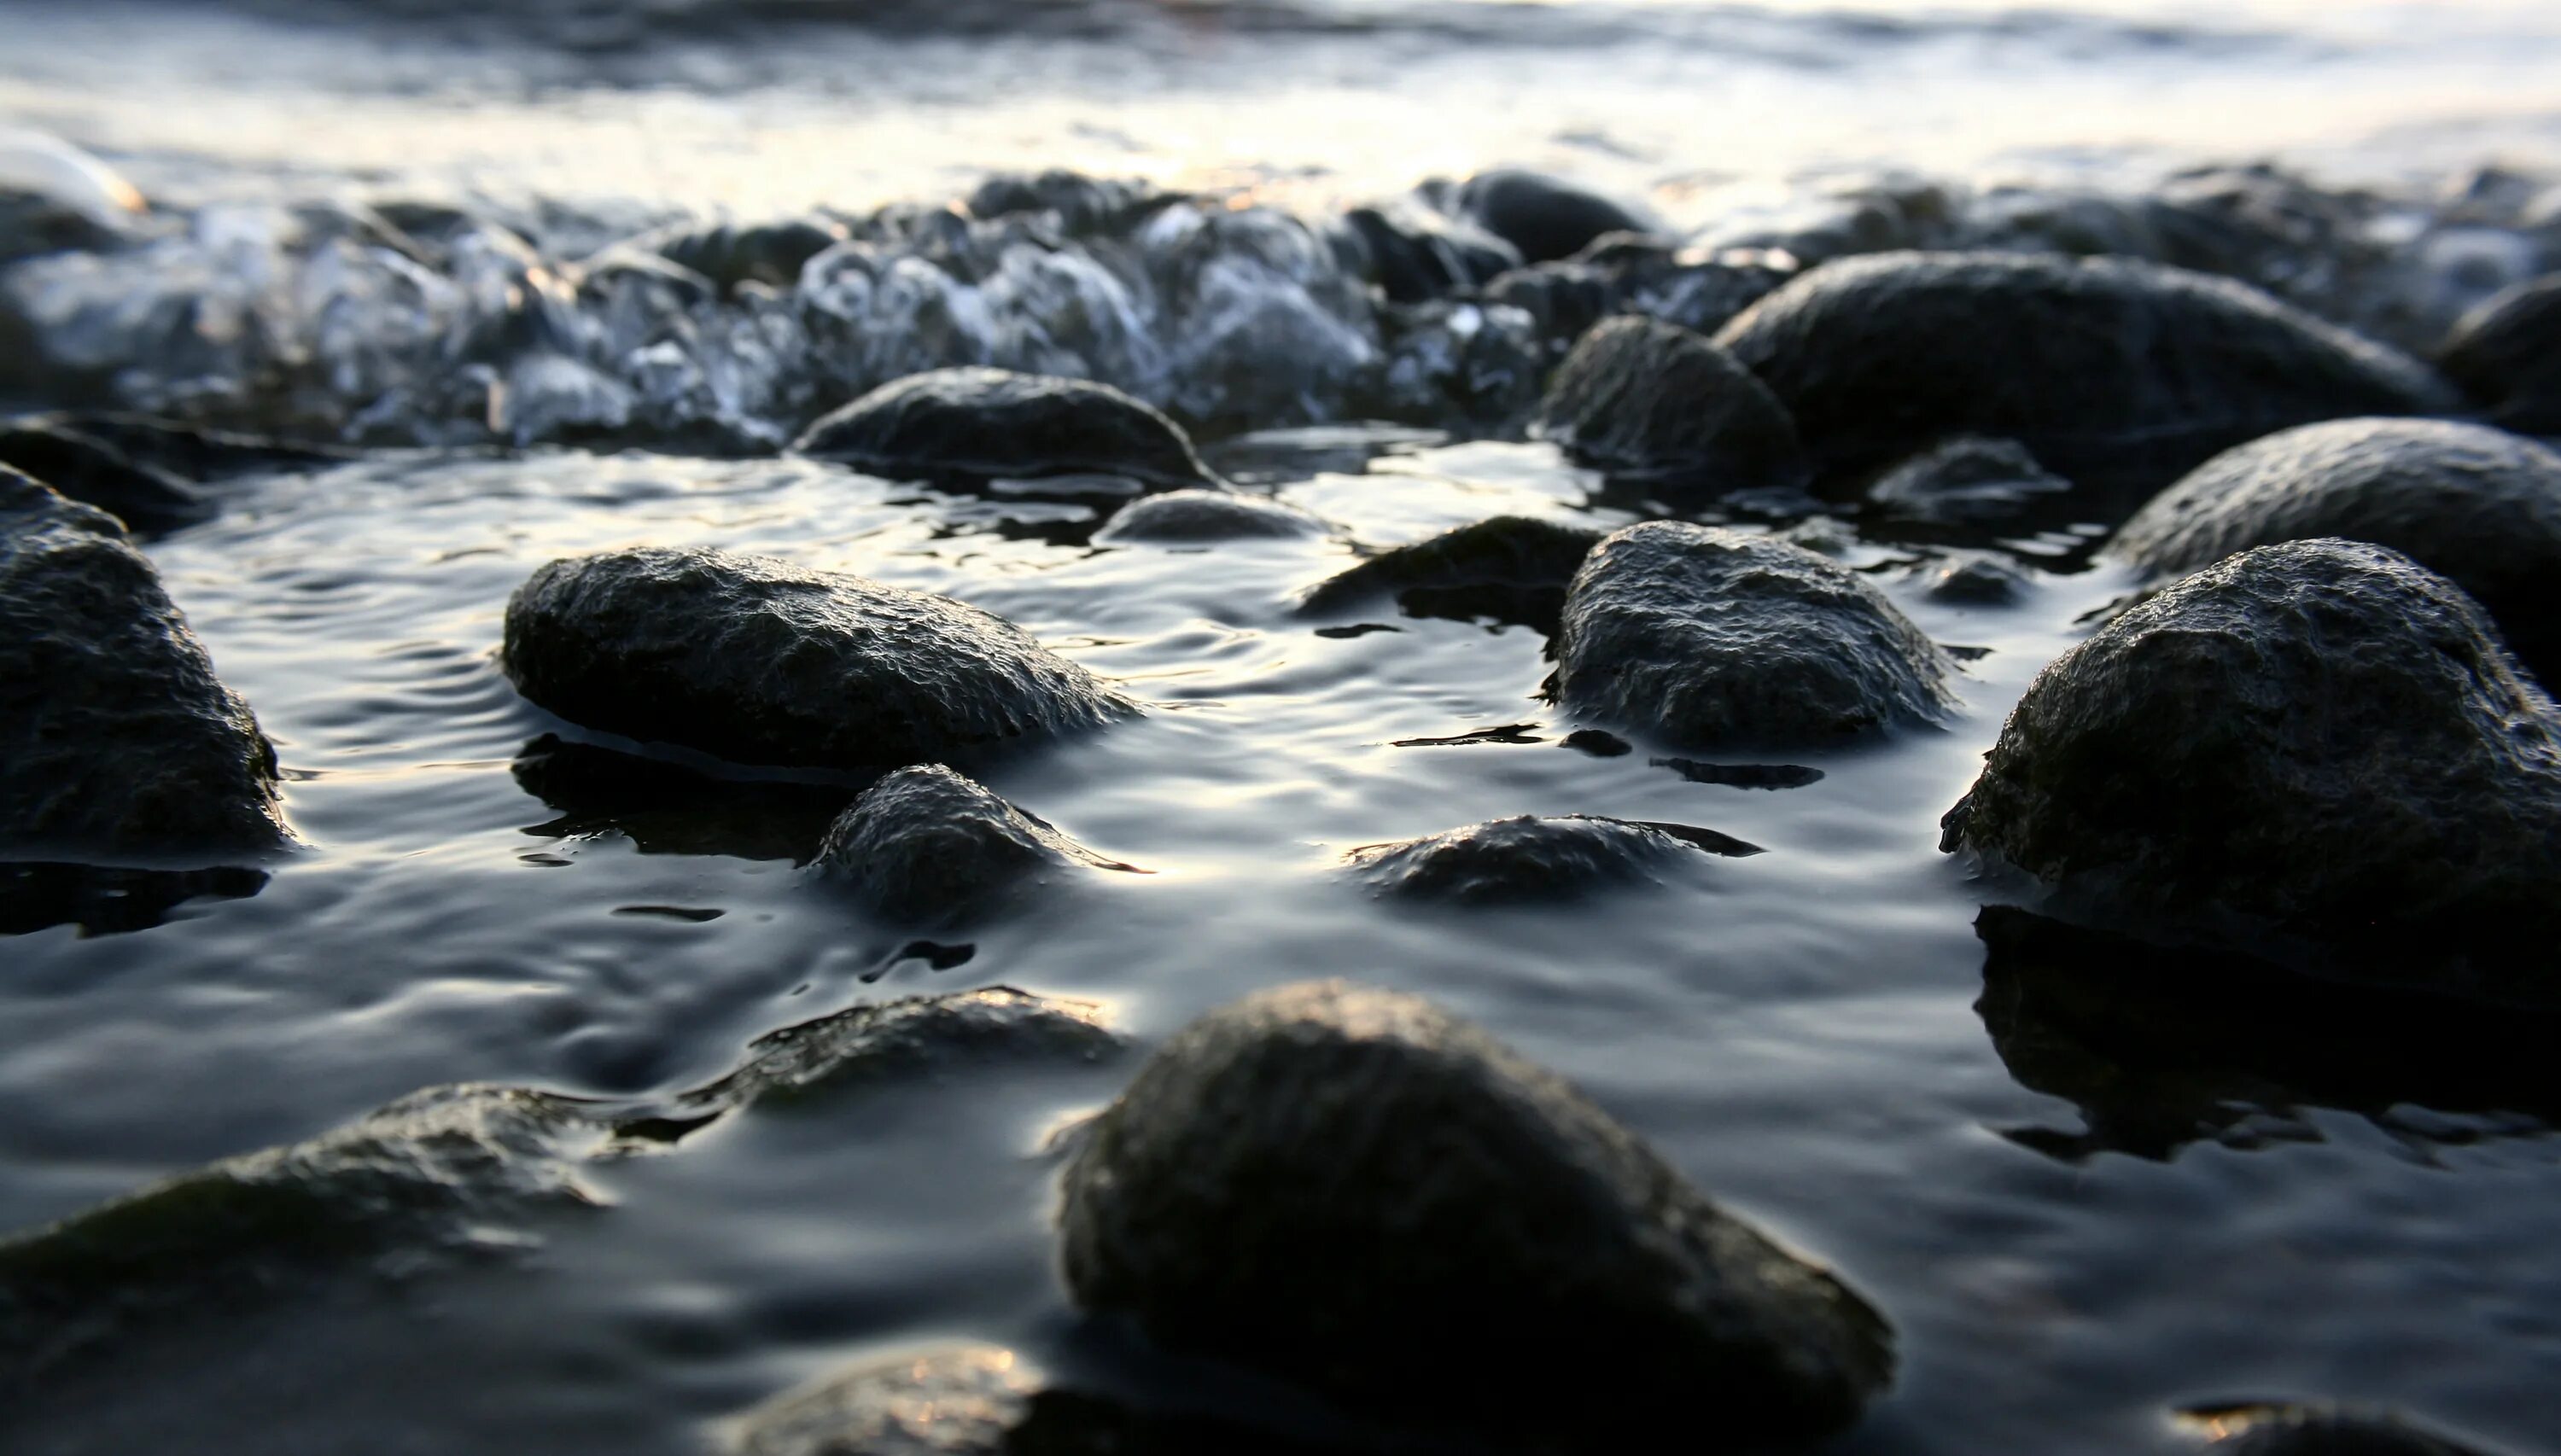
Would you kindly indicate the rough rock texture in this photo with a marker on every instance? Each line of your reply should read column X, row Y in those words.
column 2319, row 740
column 1650, row 402
column 1188, row 517
column 977, row 423
column 762, row 661
column 1702, row 637
column 2507, row 354
column 1546, row 220
column 1513, row 569
column 928, row 845
column 1966, row 478
column 2098, row 366
column 87, row 469
column 1532, row 858
column 1356, row 1191
column 115, row 737
column 2475, row 504
column 2287, row 1428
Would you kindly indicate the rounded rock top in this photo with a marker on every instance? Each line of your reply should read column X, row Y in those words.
column 928, row 845
column 981, row 424
column 1653, row 403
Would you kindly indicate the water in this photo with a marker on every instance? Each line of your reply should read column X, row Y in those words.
column 1798, row 1030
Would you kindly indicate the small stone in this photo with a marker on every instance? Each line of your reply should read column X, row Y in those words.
column 1656, row 405
column 1966, row 478
column 974, row 424
column 927, row 846
column 2507, row 354
column 1513, row 569
column 1191, row 517
column 1415, row 254
column 1976, row 579
column 1544, row 219
column 1533, row 857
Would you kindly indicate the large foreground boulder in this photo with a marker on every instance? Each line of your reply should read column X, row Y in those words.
column 2099, row 365
column 2475, row 504
column 930, row 845
column 1652, row 403
column 2318, row 745
column 116, row 739
column 762, row 661
column 1531, row 858
column 2507, row 354
column 980, row 423
column 1703, row 637
column 1356, row 1191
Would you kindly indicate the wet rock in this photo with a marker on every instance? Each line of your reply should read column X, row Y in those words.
column 1458, row 361
column 1975, row 580
column 192, row 453
column 1701, row 637
column 1966, row 478
column 2507, row 354
column 770, row 253
column 33, row 225
column 2098, row 366
column 1185, row 517
column 761, row 660
column 1415, row 254
column 981, row 424
column 927, row 846
column 1543, row 218
column 2291, row 1428
column 1564, row 299
column 148, row 500
column 1355, row 1191
column 1653, row 404
column 2317, row 748
column 2475, row 504
column 1513, row 569
column 1533, row 857
column 115, row 737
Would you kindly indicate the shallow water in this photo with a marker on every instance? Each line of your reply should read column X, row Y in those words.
column 492, row 894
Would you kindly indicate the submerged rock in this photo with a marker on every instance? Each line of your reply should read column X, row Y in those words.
column 116, row 739
column 2295, row 1428
column 762, row 661
column 1182, row 517
column 1976, row 579
column 93, row 473
column 929, row 846
column 2507, row 353
column 1653, row 403
column 1532, row 858
column 981, row 424
column 2478, row 505
column 1701, row 637
column 2320, row 741
column 1513, row 569
column 1355, row 1191
column 1966, row 478
column 2098, row 365
column 1543, row 218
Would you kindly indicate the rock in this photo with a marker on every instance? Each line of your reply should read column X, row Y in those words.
column 2475, row 504
column 1355, row 1191
column 2290, row 1428
column 761, row 660
column 1415, row 254
column 116, row 739
column 1533, row 857
column 2507, row 354
column 985, row 424
column 1976, row 579
column 1513, row 569
column 1191, row 517
column 1703, row 637
column 87, row 469
column 1653, row 403
column 770, row 253
column 2098, row 366
column 2315, row 747
column 1966, row 478
column 105, row 900
column 1564, row 299
column 927, row 846
column 1545, row 220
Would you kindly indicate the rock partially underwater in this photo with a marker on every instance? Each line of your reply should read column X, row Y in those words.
column 2507, row 354
column 761, row 660
column 927, row 846
column 1661, row 407
column 1545, row 220
column 1512, row 569
column 1357, row 1192
column 1532, row 858
column 1965, row 479
column 985, row 424
column 2299, row 1428
column 1199, row 517
column 1703, row 637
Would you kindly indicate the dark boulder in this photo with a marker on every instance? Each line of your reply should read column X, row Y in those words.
column 148, row 500
column 116, row 739
column 1194, row 517
column 2099, row 365
column 971, row 424
column 1656, row 405
column 761, row 660
column 1976, row 579
column 1533, row 857
column 730, row 254
column 1513, row 569
column 2507, row 354
column 1703, row 637
column 2295, row 1428
column 1543, row 218
column 926, row 844
column 2317, row 749
column 1355, row 1191
column 1415, row 254
column 2475, row 504
column 1966, row 478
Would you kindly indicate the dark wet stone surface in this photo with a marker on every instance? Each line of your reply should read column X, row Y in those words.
column 1357, row 1192
column 1533, row 857
column 2315, row 1428
column 1512, row 569
column 116, row 739
column 148, row 500
column 982, row 423
column 730, row 254
column 927, row 846
column 1659, row 406
column 1598, row 743
column 1415, row 254
column 1742, row 776
column 1185, row 517
column 1698, row 636
column 2318, row 745
column 2099, row 367
column 1975, row 580
column 1968, row 478
column 2507, row 354
column 33, row 225
column 759, row 661
column 1542, row 217
column 667, row 808
column 2473, row 504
